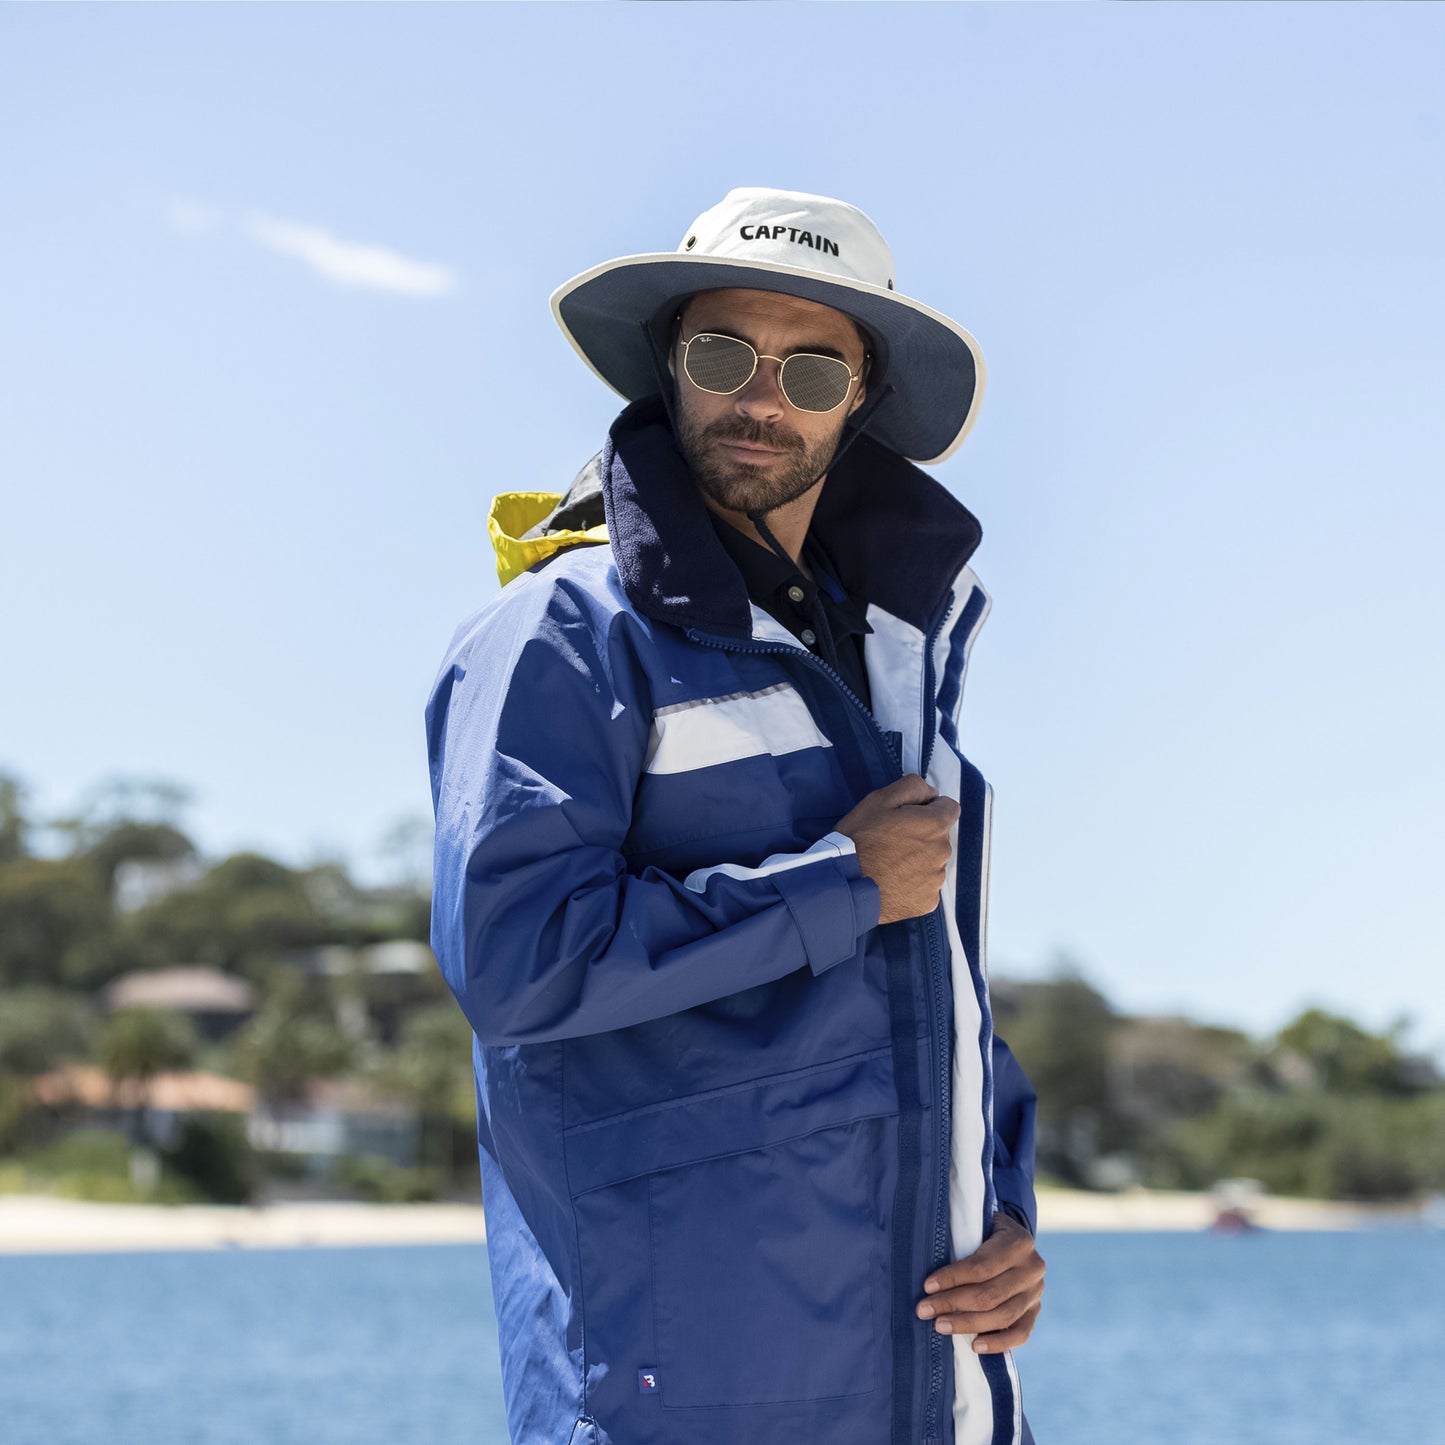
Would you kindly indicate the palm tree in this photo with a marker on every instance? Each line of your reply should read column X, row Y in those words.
column 135, row 1046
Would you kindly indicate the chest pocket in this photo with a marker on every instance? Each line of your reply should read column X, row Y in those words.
column 748, row 765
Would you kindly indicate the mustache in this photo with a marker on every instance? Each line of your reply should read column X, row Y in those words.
column 740, row 429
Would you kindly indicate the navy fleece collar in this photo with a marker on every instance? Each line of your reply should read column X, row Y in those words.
column 896, row 536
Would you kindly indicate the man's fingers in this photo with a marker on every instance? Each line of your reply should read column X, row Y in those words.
column 995, row 1342
column 973, row 1317
column 1009, row 1246
column 994, row 1292
column 901, row 834
column 980, row 1266
column 944, row 808
column 983, row 1322
column 929, row 821
column 1019, row 1284
column 910, row 788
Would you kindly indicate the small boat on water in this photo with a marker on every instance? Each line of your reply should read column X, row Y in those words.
column 1233, row 1221
column 1235, row 1203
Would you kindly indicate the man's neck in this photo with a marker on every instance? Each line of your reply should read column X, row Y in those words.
column 789, row 523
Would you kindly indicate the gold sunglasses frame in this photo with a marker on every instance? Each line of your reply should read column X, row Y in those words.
column 782, row 362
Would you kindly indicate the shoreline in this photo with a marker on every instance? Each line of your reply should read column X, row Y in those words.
column 39, row 1224
column 1073, row 1211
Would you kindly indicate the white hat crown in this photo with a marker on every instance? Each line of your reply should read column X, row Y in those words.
column 812, row 247
column 791, row 228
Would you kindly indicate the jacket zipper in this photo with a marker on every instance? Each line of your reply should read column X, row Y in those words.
column 936, row 1342
column 732, row 644
column 930, row 684
column 938, row 1025
column 936, row 1345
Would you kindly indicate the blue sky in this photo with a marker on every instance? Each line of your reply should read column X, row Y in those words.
column 276, row 330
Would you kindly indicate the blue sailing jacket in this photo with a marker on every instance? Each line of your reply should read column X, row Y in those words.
column 728, row 1123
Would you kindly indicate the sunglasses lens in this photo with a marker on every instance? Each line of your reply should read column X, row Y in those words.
column 719, row 364
column 815, row 383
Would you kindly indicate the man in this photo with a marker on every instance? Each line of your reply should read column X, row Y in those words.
column 711, row 868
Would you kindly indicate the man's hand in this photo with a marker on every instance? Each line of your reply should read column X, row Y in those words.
column 901, row 834
column 994, row 1294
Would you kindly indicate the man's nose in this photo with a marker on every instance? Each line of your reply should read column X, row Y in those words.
column 762, row 397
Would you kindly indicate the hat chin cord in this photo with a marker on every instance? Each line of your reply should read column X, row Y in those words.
column 657, row 354
column 821, row 627
column 851, row 433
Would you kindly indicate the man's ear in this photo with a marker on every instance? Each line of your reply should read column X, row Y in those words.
column 862, row 390
column 863, row 374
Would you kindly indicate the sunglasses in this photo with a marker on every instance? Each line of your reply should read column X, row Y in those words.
column 723, row 365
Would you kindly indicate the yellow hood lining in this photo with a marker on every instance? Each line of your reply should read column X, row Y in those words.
column 514, row 513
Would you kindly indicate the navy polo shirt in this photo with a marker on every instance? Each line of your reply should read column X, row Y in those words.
column 816, row 610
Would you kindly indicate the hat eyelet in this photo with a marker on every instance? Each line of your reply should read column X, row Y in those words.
column 890, row 283
column 692, row 241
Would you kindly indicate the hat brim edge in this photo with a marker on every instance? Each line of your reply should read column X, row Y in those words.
column 758, row 272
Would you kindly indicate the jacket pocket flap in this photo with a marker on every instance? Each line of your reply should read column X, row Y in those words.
column 728, row 1121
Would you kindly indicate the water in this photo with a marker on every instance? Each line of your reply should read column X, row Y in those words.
column 1290, row 1339
column 250, row 1347
column 1264, row 1339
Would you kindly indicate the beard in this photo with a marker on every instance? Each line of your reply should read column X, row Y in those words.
column 746, row 486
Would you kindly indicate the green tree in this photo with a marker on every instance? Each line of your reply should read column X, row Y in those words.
column 291, row 1041
column 432, row 1070
column 14, row 824
column 339, row 904
column 55, row 917
column 214, row 1156
column 244, row 912
column 1346, row 1146
column 1345, row 1058
column 118, row 801
column 1060, row 1032
column 136, row 1045
column 1166, row 1067
column 1164, row 1070
column 1256, row 1133
column 128, row 842
column 41, row 1028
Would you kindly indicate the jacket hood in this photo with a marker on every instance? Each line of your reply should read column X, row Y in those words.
column 896, row 536
column 529, row 527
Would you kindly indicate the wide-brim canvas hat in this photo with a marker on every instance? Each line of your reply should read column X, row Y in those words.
column 799, row 245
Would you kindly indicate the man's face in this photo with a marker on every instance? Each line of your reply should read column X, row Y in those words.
column 751, row 450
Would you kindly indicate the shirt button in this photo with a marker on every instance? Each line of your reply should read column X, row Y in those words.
column 808, row 636
column 795, row 594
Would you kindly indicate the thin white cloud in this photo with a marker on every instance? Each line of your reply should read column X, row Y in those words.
column 349, row 263
column 190, row 218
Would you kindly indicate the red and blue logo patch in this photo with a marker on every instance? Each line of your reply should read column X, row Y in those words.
column 647, row 1382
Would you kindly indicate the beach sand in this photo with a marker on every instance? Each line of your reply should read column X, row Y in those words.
column 1073, row 1210
column 33, row 1224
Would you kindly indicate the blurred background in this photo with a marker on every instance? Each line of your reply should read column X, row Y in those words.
column 276, row 331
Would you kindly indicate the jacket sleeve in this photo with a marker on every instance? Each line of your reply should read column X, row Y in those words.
column 538, row 730
column 1015, row 1109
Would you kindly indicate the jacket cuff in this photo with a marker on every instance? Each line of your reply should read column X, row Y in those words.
column 832, row 904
